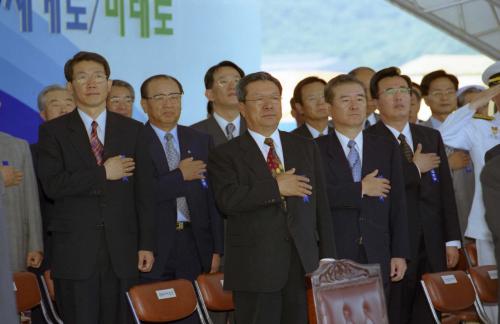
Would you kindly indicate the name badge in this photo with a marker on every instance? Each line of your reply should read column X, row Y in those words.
column 166, row 293
column 493, row 274
column 449, row 279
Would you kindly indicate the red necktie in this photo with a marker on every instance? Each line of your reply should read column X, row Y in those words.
column 95, row 144
column 273, row 160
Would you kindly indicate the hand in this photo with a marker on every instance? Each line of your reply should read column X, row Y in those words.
column 398, row 269
column 146, row 260
column 484, row 97
column 119, row 167
column 375, row 187
column 215, row 263
column 452, row 256
column 425, row 161
column 291, row 184
column 34, row 259
column 11, row 176
column 458, row 160
column 192, row 169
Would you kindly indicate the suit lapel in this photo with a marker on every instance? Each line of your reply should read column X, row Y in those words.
column 112, row 137
column 337, row 155
column 184, row 143
column 80, row 139
column 243, row 125
column 369, row 151
column 156, row 150
column 252, row 156
column 214, row 128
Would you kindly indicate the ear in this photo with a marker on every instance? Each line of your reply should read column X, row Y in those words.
column 69, row 86
column 299, row 108
column 242, row 109
column 110, row 83
column 209, row 93
column 144, row 104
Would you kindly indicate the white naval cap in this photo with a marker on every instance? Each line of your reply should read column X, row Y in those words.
column 491, row 71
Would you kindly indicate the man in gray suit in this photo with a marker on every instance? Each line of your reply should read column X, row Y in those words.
column 439, row 92
column 7, row 304
column 224, row 121
column 21, row 203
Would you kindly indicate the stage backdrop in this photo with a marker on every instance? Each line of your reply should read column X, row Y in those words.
column 138, row 37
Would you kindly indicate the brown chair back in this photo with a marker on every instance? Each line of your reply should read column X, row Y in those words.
column 50, row 284
column 449, row 291
column 163, row 301
column 347, row 292
column 485, row 280
column 27, row 291
column 215, row 298
column 471, row 251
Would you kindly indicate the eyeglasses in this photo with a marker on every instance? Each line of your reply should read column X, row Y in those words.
column 259, row 102
column 171, row 97
column 439, row 93
column 223, row 82
column 84, row 78
column 117, row 100
column 393, row 91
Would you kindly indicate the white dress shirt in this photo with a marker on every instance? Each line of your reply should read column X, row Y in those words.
column 223, row 123
column 315, row 133
column 372, row 119
column 264, row 148
column 344, row 140
column 101, row 124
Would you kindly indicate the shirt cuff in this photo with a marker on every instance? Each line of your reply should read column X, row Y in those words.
column 456, row 244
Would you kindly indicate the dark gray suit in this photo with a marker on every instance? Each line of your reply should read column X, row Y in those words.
column 211, row 127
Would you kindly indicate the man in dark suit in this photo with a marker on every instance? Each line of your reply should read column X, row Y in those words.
column 490, row 181
column 224, row 121
column 432, row 214
column 364, row 182
column 278, row 222
column 188, row 227
column 309, row 99
column 102, row 222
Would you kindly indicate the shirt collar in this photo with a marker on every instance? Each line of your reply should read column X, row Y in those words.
column 101, row 123
column 372, row 119
column 161, row 133
column 406, row 132
column 435, row 122
column 314, row 132
column 223, row 123
column 344, row 140
column 259, row 138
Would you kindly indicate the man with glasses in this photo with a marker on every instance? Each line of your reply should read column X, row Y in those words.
column 189, row 231
column 224, row 121
column 432, row 216
column 91, row 165
column 364, row 183
column 278, row 222
column 439, row 92
column 121, row 98
column 309, row 99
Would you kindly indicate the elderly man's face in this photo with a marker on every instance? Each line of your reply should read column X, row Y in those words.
column 57, row 103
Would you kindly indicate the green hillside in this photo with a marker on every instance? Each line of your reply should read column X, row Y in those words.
column 356, row 32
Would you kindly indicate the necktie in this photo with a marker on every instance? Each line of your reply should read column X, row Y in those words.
column 354, row 161
column 405, row 148
column 229, row 131
column 95, row 144
column 367, row 123
column 173, row 159
column 273, row 161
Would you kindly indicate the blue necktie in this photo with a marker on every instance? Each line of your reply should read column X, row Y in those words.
column 354, row 161
column 173, row 159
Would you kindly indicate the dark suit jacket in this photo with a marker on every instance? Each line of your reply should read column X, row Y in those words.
column 209, row 126
column 491, row 153
column 432, row 211
column 259, row 231
column 302, row 130
column 490, row 180
column 168, row 185
column 383, row 225
column 83, row 198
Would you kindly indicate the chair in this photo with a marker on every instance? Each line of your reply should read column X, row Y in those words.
column 49, row 291
column 452, row 293
column 212, row 296
column 485, row 281
column 343, row 291
column 471, row 253
column 163, row 301
column 28, row 293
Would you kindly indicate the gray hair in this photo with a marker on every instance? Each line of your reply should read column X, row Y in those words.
column 43, row 93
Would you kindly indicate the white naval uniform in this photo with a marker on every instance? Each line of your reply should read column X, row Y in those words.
column 461, row 131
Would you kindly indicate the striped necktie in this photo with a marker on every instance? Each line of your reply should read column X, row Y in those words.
column 405, row 148
column 354, row 161
column 95, row 144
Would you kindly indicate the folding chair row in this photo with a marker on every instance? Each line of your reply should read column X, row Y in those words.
column 460, row 296
column 28, row 295
column 172, row 300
